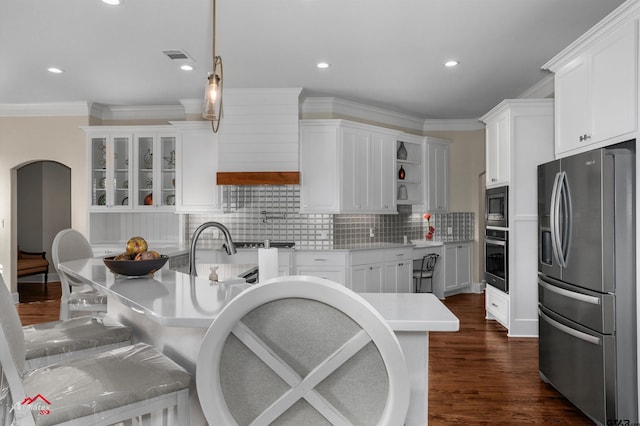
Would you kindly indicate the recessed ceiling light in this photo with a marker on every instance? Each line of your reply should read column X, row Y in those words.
column 186, row 67
column 323, row 65
column 450, row 64
column 54, row 70
column 112, row 2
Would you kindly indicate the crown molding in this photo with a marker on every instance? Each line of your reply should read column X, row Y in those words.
column 149, row 112
column 627, row 11
column 46, row 109
column 339, row 108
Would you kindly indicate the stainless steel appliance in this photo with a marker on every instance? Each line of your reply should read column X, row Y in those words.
column 586, row 281
column 497, row 206
column 496, row 261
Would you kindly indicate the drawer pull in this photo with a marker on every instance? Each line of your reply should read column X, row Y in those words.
column 494, row 305
column 320, row 260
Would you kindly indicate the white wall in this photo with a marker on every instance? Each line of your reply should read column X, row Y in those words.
column 27, row 139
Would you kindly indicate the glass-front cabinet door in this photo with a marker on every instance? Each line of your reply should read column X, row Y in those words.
column 155, row 168
column 110, row 171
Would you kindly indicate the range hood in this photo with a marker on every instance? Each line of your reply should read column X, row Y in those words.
column 258, row 178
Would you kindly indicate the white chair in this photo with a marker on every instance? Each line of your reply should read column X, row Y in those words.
column 77, row 298
column 132, row 382
column 427, row 266
column 301, row 351
column 70, row 339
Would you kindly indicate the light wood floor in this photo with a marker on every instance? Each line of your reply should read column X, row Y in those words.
column 477, row 375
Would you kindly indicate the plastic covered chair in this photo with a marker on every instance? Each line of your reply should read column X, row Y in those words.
column 425, row 272
column 74, row 338
column 119, row 385
column 77, row 298
column 301, row 350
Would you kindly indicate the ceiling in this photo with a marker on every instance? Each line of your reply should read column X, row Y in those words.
column 385, row 53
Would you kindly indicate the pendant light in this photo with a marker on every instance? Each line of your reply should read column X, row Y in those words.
column 213, row 91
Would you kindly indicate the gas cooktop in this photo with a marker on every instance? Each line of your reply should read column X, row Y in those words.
column 260, row 244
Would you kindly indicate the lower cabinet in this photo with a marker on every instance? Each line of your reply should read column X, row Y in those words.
column 497, row 305
column 330, row 265
column 457, row 267
column 398, row 267
column 380, row 270
column 366, row 271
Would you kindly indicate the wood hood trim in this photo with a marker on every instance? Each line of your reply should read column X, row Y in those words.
column 258, row 178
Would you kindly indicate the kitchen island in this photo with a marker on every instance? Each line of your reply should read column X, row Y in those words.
column 172, row 311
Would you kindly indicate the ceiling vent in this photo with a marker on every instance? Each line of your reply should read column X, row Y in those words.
column 176, row 54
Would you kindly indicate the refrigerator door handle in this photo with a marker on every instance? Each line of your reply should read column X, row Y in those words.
column 569, row 294
column 554, row 212
column 568, row 214
column 570, row 331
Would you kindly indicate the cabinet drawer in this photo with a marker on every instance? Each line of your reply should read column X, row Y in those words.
column 497, row 305
column 320, row 258
column 392, row 255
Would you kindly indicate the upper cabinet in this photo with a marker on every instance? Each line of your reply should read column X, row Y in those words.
column 131, row 168
column 596, row 86
column 497, row 148
column 155, row 168
column 110, row 168
column 519, row 136
column 346, row 167
column 196, row 167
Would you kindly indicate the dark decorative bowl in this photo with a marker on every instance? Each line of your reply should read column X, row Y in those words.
column 135, row 268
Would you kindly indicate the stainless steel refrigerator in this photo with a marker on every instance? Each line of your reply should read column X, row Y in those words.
column 586, row 281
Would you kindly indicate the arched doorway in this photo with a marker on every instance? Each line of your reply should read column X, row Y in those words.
column 43, row 209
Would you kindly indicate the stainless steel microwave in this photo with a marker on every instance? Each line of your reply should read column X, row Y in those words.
column 497, row 207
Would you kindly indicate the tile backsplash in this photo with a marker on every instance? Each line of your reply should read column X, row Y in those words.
column 256, row 213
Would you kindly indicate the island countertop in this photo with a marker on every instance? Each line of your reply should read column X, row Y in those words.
column 172, row 298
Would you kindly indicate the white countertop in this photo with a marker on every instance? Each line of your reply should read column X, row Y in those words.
column 176, row 299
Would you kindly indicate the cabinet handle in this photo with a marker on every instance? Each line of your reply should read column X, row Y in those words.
column 320, row 260
column 400, row 264
column 370, row 267
column 493, row 179
column 584, row 137
column 494, row 305
column 399, row 254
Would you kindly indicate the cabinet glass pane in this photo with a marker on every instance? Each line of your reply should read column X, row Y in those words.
column 168, row 171
column 98, row 171
column 121, row 171
column 145, row 171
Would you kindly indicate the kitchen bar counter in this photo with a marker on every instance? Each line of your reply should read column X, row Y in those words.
column 172, row 311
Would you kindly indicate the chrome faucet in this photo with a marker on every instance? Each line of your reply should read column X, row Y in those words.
column 229, row 246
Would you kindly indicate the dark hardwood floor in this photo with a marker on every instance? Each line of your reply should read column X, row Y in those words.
column 477, row 375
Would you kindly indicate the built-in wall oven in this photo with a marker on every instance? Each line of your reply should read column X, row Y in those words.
column 496, row 243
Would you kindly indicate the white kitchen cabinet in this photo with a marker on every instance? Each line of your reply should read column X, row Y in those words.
column 110, row 171
column 196, row 167
column 346, row 168
column 413, row 167
column 596, row 89
column 457, row 267
column 497, row 305
column 154, row 157
column 366, row 271
column 436, row 175
column 398, row 267
column 331, row 265
column 497, row 150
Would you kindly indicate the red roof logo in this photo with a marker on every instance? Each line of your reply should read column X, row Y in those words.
column 29, row 401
